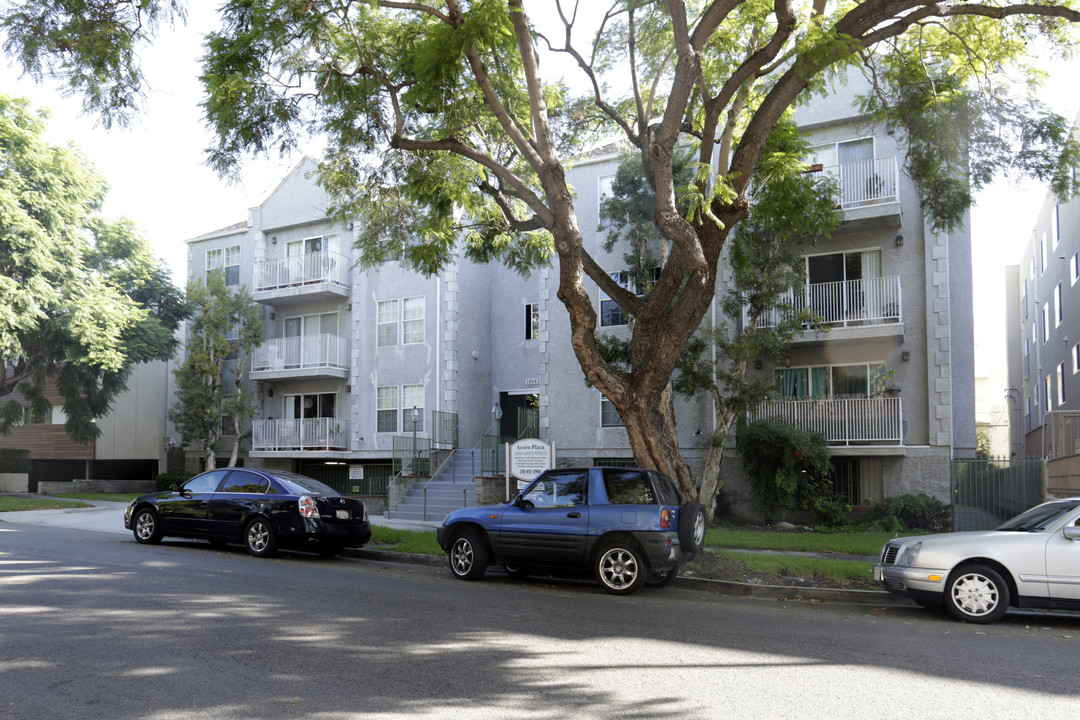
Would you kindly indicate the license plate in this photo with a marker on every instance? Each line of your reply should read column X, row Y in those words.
column 878, row 574
column 342, row 514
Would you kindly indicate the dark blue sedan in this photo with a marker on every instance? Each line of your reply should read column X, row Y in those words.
column 263, row 510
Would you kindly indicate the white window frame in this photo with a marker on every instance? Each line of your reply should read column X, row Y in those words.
column 1076, row 358
column 1047, row 391
column 413, row 310
column 603, row 192
column 386, row 317
column 1046, row 322
column 412, row 396
column 1061, row 384
column 532, row 321
column 386, row 407
column 622, row 278
column 607, row 412
column 1058, row 309
column 1055, row 227
column 1074, row 268
column 1042, row 248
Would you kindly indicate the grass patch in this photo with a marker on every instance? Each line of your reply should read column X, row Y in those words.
column 840, row 572
column 16, row 504
column 112, row 497
column 422, row 542
column 856, row 543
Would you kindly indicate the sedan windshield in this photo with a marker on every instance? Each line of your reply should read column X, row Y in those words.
column 1040, row 517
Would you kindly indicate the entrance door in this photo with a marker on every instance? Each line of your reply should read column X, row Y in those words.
column 520, row 415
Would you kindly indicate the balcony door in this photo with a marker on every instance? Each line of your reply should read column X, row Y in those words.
column 838, row 283
column 303, row 351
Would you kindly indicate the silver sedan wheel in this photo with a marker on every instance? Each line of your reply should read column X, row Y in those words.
column 977, row 593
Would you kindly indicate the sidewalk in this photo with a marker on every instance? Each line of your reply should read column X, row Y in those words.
column 108, row 517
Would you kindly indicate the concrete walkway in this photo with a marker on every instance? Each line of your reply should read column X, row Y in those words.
column 108, row 517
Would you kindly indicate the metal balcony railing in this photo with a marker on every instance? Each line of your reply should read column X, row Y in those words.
column 308, row 351
column 865, row 182
column 847, row 302
column 317, row 267
column 843, row 421
column 300, row 434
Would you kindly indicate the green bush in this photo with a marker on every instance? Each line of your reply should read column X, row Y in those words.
column 911, row 512
column 14, row 460
column 788, row 467
column 165, row 481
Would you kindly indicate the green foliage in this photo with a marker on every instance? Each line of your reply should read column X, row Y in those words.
column 911, row 512
column 785, row 465
column 983, row 444
column 203, row 381
column 14, row 460
column 165, row 481
column 93, row 45
column 82, row 299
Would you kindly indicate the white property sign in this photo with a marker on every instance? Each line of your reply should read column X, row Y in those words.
column 526, row 459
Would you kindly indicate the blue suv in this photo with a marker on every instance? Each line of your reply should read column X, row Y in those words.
column 628, row 525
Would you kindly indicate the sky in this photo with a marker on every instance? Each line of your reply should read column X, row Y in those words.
column 158, row 178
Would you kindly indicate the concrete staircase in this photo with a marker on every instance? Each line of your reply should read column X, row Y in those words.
column 451, row 489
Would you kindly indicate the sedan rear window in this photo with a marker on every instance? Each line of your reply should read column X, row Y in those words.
column 628, row 487
column 294, row 484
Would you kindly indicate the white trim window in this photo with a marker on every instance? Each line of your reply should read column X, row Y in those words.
column 1076, row 358
column 1055, row 227
column 386, row 410
column 1042, row 250
column 1061, row 384
column 1074, row 268
column 1046, row 323
column 611, row 314
column 226, row 260
column 412, row 320
column 1046, row 392
column 1058, row 309
column 412, row 396
column 386, row 323
column 532, row 321
column 832, row 381
column 609, row 416
column 603, row 192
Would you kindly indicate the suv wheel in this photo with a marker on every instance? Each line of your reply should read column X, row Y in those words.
column 692, row 527
column 662, row 577
column 619, row 568
column 468, row 556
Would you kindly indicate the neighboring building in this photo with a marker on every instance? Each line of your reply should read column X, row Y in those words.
column 1043, row 338
column 349, row 352
column 135, row 435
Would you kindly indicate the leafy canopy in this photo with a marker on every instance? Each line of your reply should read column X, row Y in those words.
column 82, row 299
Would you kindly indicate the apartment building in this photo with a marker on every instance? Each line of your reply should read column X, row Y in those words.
column 359, row 363
column 1043, row 342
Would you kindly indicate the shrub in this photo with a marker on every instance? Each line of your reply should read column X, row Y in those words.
column 911, row 512
column 787, row 466
column 14, row 460
column 164, row 481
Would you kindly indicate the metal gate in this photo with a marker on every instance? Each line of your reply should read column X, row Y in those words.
column 987, row 492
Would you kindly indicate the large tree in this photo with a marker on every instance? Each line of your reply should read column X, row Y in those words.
column 82, row 299
column 226, row 326
column 439, row 106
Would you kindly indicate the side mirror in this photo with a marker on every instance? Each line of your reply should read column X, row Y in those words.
column 175, row 487
column 1071, row 532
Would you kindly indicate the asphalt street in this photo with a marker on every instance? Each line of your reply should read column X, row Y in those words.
column 94, row 625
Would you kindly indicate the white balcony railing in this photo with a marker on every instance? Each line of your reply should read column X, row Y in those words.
column 308, row 351
column 847, row 302
column 300, row 434
column 865, row 182
column 316, row 267
column 842, row 421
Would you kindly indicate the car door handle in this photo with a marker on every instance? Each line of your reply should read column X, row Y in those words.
column 573, row 514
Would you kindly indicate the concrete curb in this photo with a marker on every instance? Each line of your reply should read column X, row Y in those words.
column 723, row 587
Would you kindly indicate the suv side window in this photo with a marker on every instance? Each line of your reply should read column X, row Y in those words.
column 558, row 490
column 628, row 487
column 669, row 493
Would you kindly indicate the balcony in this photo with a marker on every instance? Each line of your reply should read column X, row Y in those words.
column 313, row 276
column 870, row 308
column 843, row 421
column 307, row 356
column 299, row 435
column 868, row 192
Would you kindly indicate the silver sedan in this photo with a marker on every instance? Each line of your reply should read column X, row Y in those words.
column 1031, row 561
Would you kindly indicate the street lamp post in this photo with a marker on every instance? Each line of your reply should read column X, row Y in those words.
column 415, row 416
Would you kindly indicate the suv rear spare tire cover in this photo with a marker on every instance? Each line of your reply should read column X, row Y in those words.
column 692, row 527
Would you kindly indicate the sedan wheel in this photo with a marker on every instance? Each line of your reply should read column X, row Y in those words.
column 468, row 557
column 976, row 593
column 259, row 538
column 146, row 527
column 619, row 569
